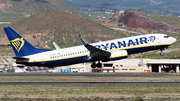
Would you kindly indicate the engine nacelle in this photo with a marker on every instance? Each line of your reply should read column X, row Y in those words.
column 116, row 55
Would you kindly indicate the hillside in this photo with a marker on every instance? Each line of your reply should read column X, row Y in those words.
column 147, row 23
column 15, row 10
column 171, row 20
column 163, row 7
column 61, row 27
column 64, row 28
column 103, row 9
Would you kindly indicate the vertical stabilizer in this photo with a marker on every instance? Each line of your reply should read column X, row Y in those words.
column 20, row 45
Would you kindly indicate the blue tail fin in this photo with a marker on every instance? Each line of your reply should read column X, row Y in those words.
column 20, row 45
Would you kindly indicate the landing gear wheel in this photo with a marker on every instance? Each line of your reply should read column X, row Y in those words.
column 93, row 65
column 99, row 65
column 161, row 53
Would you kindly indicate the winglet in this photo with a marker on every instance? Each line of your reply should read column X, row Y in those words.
column 83, row 40
column 56, row 46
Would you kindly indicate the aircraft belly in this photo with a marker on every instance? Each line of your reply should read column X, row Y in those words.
column 144, row 49
column 58, row 62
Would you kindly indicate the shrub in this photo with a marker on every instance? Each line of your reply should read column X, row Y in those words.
column 138, row 98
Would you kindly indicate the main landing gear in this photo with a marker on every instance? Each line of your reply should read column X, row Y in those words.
column 98, row 65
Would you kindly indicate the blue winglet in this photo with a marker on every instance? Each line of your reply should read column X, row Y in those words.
column 83, row 40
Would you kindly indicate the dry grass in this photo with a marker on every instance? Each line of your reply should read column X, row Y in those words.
column 89, row 92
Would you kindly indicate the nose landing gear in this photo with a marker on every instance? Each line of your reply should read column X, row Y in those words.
column 161, row 53
column 162, row 50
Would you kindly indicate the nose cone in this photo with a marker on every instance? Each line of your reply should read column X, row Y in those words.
column 173, row 40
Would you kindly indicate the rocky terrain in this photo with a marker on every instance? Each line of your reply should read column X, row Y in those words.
column 133, row 19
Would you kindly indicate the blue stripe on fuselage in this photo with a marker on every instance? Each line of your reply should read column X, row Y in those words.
column 61, row 62
column 144, row 49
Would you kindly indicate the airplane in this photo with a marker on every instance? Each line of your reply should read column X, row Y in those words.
column 98, row 52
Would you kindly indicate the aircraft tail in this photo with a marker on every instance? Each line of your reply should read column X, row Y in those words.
column 20, row 45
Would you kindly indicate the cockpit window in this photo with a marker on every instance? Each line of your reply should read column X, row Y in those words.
column 166, row 36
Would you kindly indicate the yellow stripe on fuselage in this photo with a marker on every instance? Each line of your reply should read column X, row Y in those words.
column 60, row 58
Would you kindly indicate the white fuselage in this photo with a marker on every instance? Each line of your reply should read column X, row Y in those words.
column 76, row 54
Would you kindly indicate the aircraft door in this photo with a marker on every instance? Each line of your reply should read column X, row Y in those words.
column 149, row 41
column 153, row 40
column 158, row 40
column 42, row 61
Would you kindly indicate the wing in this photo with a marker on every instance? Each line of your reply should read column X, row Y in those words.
column 95, row 52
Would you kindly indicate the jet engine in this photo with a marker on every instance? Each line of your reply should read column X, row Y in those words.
column 115, row 55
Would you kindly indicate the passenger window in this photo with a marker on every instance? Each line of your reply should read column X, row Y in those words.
column 166, row 36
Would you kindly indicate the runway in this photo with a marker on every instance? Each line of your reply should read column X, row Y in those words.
column 90, row 83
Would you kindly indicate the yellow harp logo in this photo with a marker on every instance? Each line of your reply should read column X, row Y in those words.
column 18, row 43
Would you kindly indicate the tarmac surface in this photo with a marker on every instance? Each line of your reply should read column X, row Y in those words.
column 77, row 74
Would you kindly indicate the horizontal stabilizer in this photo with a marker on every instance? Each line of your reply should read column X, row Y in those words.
column 20, row 58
